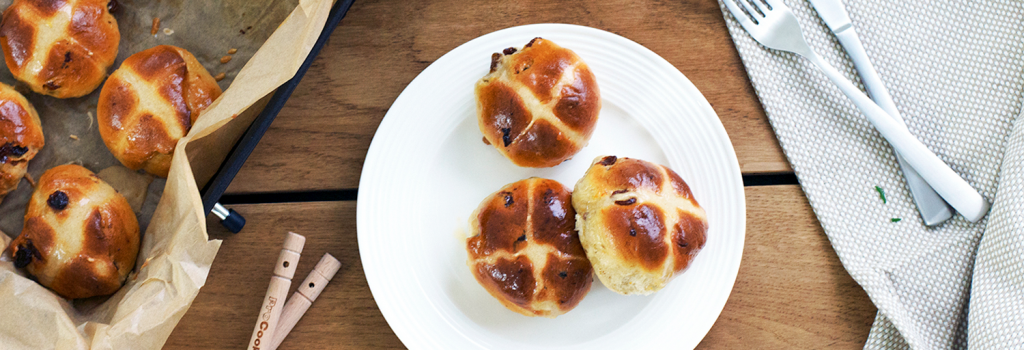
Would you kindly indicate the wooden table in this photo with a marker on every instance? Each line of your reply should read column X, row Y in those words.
column 791, row 291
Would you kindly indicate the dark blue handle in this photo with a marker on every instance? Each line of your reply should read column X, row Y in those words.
column 234, row 221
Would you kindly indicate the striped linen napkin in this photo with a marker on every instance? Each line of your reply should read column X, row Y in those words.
column 954, row 69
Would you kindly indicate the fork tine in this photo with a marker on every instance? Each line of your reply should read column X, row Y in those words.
column 739, row 11
column 756, row 8
column 773, row 4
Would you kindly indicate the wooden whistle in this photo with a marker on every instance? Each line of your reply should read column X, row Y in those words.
column 277, row 291
column 300, row 301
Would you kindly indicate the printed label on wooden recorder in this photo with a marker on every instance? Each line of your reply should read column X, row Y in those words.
column 265, row 324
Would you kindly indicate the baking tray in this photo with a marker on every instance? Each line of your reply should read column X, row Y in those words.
column 215, row 188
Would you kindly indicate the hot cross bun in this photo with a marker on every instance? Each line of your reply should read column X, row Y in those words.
column 151, row 102
column 538, row 106
column 80, row 237
column 638, row 222
column 60, row 48
column 525, row 251
column 21, row 137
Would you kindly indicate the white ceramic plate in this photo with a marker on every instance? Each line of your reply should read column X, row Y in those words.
column 427, row 170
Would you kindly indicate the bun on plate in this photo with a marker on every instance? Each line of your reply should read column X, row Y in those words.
column 638, row 222
column 538, row 105
column 524, row 250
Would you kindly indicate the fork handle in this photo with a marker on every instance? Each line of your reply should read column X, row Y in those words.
column 957, row 192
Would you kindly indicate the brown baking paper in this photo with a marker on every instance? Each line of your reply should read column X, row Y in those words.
column 272, row 39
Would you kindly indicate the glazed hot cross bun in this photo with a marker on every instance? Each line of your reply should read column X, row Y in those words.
column 151, row 102
column 80, row 237
column 21, row 137
column 525, row 252
column 538, row 106
column 60, row 48
column 638, row 222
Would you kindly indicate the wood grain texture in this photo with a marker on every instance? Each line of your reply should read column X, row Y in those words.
column 791, row 291
column 344, row 316
column 320, row 138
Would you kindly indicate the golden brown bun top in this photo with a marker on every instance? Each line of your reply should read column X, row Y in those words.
column 526, row 249
column 151, row 102
column 60, row 48
column 80, row 237
column 650, row 212
column 19, row 122
column 538, row 106
column 21, row 137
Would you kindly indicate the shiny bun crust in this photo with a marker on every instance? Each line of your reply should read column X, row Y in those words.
column 525, row 251
column 60, row 48
column 638, row 222
column 151, row 102
column 21, row 137
column 538, row 106
column 80, row 237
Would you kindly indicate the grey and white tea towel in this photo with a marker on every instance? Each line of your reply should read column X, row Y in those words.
column 955, row 69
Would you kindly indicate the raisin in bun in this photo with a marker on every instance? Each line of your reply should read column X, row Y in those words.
column 638, row 222
column 538, row 106
column 60, row 48
column 21, row 137
column 80, row 237
column 525, row 251
column 151, row 102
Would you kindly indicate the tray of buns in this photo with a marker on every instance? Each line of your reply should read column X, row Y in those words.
column 559, row 186
column 114, row 114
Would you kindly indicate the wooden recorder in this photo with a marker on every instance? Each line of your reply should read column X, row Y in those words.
column 273, row 302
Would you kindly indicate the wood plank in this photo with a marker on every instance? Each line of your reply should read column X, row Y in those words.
column 791, row 291
column 343, row 317
column 320, row 139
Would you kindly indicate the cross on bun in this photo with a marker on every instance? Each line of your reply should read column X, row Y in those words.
column 21, row 137
column 60, row 48
column 538, row 105
column 638, row 222
column 80, row 237
column 525, row 251
column 151, row 102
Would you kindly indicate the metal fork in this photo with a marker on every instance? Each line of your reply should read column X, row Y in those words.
column 773, row 24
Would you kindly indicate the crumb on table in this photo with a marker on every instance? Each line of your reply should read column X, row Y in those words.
column 219, row 77
column 232, row 51
column 156, row 26
column 168, row 31
column 225, row 59
column 73, row 137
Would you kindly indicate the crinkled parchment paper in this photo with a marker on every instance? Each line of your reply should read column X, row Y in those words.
column 272, row 38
